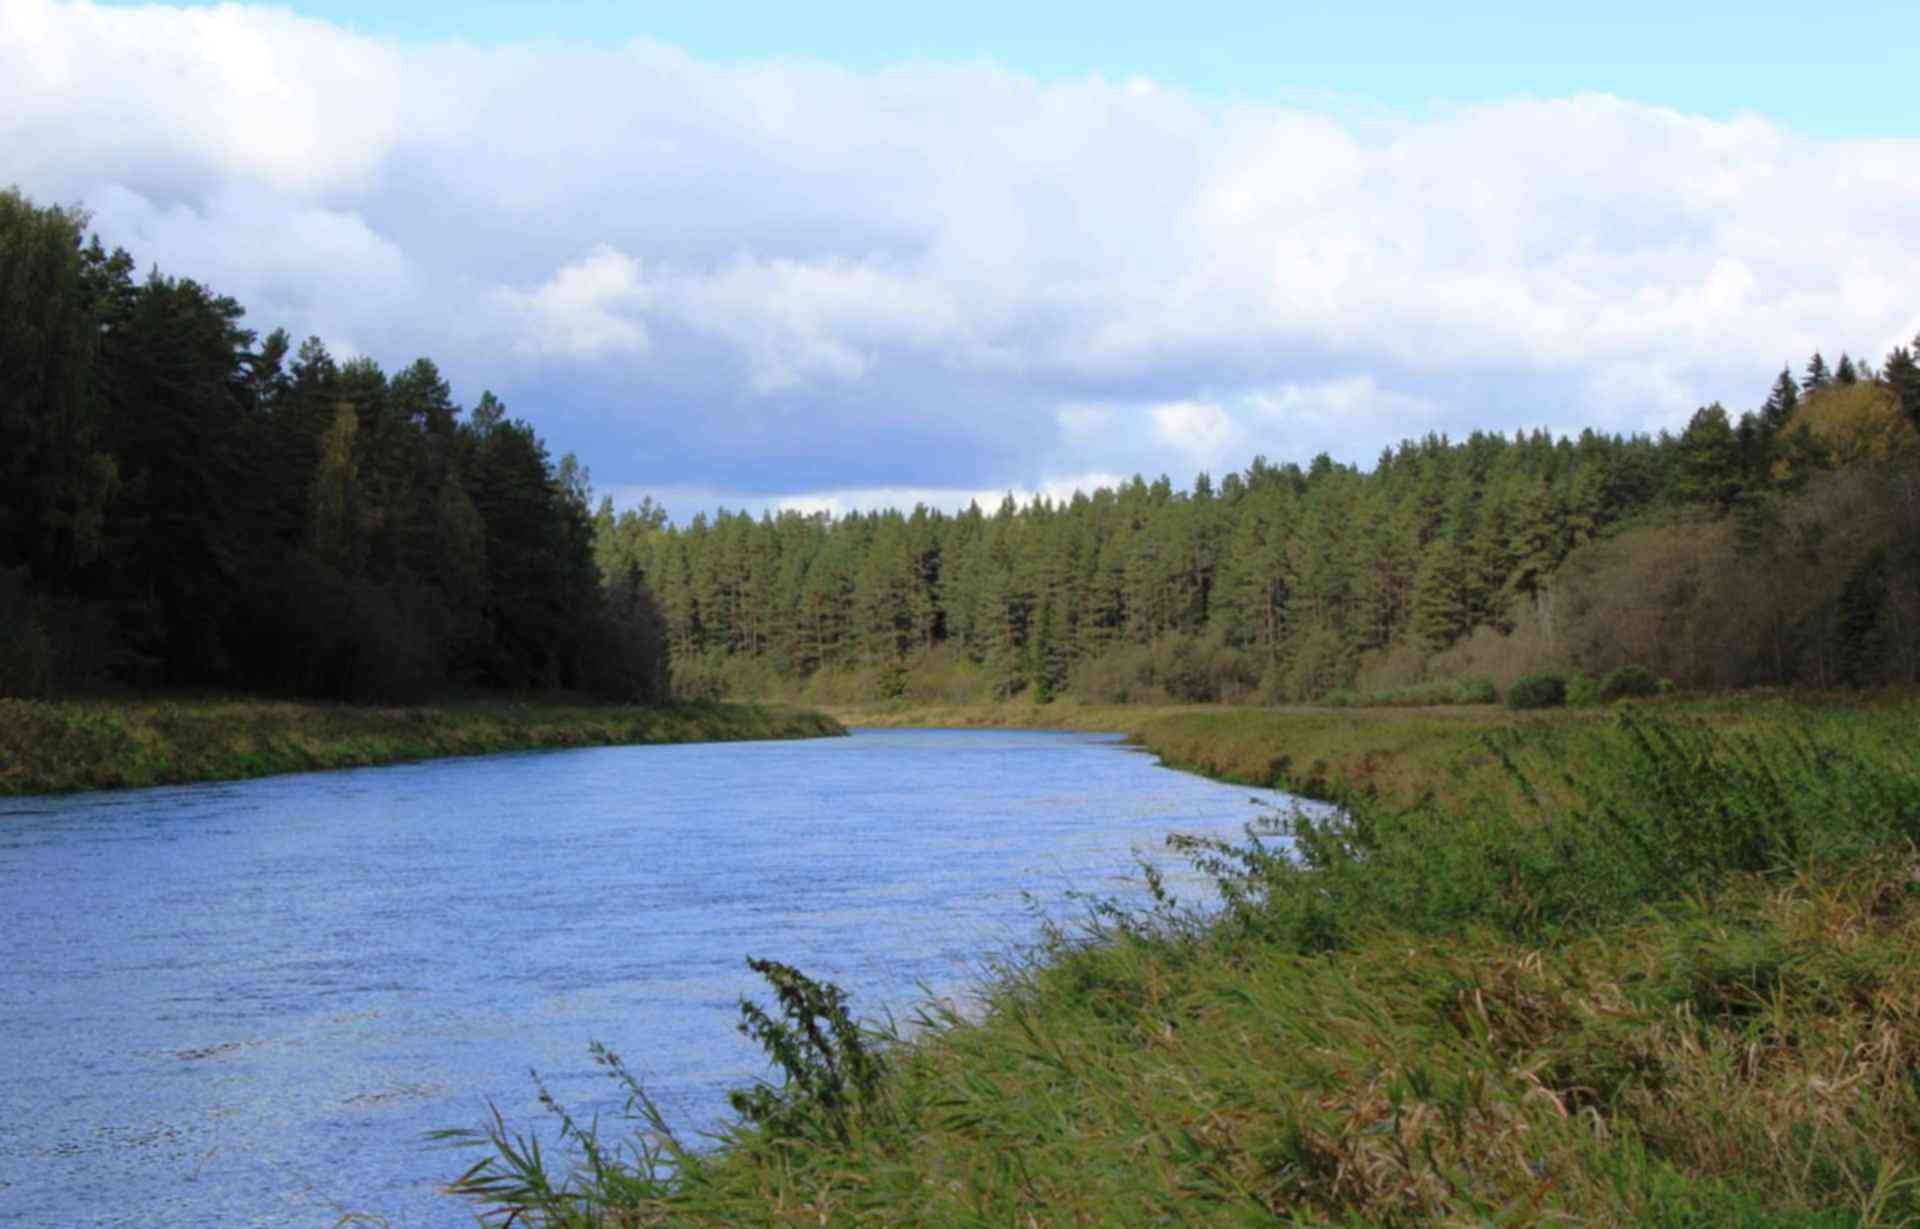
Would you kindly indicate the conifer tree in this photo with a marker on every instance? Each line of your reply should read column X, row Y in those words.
column 1441, row 614
column 1781, row 402
column 1902, row 375
column 1708, row 460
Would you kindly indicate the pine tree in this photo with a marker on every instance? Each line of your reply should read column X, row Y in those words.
column 1781, row 402
column 1903, row 377
column 1441, row 614
column 56, row 477
column 1708, row 460
column 1816, row 376
column 1537, row 542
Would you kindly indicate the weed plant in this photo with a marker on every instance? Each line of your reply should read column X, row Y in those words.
column 1670, row 976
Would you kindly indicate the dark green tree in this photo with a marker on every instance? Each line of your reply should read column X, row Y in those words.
column 1902, row 375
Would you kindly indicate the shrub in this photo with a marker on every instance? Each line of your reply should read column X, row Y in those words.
column 1583, row 690
column 1629, row 681
column 1486, row 653
column 1475, row 691
column 1321, row 661
column 1537, row 691
column 944, row 674
column 1176, row 667
column 1420, row 696
column 1399, row 665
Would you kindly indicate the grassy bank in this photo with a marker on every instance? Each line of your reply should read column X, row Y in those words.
column 59, row 746
column 1394, row 754
column 1669, row 974
column 1319, row 752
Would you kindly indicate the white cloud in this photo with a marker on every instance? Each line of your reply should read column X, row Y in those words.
column 797, row 320
column 947, row 499
column 1201, row 431
column 581, row 311
column 1354, row 403
column 788, row 277
column 275, row 253
column 235, row 91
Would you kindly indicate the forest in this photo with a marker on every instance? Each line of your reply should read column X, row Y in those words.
column 185, row 504
column 1780, row 546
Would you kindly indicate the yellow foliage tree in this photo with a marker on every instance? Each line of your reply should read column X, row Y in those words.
column 1855, row 422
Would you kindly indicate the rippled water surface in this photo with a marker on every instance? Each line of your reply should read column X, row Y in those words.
column 245, row 1004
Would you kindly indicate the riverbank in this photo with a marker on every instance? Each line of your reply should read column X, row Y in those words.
column 1322, row 753
column 1657, row 965
column 1398, row 755
column 63, row 746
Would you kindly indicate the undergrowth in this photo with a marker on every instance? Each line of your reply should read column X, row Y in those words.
column 1670, row 975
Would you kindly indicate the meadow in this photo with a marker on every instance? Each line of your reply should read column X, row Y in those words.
column 1652, row 964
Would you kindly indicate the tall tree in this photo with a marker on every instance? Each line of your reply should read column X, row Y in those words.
column 1903, row 376
column 56, row 476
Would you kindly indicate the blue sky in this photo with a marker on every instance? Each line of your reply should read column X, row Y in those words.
column 1834, row 69
column 837, row 256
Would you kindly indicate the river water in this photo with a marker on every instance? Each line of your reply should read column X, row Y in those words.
column 245, row 1004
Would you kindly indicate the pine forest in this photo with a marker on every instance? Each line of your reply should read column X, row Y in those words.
column 187, row 504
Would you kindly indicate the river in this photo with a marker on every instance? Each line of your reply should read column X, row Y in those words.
column 245, row 1004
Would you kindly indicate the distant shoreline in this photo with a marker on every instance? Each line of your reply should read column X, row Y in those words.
column 70, row 746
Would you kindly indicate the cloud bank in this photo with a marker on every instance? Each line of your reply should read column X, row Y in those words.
column 787, row 282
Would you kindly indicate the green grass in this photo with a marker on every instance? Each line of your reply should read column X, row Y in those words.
column 62, row 746
column 1667, row 972
column 1392, row 752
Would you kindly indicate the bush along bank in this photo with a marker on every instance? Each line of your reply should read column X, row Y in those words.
column 1680, row 985
column 62, row 746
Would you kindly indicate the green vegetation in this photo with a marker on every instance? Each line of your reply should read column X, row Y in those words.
column 56, row 746
column 1778, row 547
column 1537, row 691
column 184, row 504
column 1629, row 682
column 1638, row 966
column 1420, row 695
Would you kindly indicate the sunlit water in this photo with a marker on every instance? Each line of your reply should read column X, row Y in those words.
column 245, row 1004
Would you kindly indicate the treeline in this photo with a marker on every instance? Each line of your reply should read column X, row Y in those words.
column 1779, row 546
column 186, row 504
